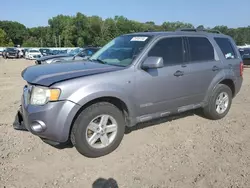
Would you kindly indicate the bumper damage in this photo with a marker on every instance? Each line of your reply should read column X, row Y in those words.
column 51, row 122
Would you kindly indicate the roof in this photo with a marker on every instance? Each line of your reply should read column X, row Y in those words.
column 180, row 32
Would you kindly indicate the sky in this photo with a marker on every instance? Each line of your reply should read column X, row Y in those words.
column 209, row 13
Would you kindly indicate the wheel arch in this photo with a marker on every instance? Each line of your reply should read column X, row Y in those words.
column 230, row 84
column 228, row 81
column 119, row 103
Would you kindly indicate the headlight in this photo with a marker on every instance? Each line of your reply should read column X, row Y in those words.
column 41, row 96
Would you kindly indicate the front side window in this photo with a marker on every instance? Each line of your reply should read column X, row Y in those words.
column 122, row 50
column 226, row 47
column 170, row 49
column 200, row 49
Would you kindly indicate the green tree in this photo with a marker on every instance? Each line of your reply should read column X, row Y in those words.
column 4, row 40
column 79, row 30
column 172, row 26
column 14, row 30
column 31, row 42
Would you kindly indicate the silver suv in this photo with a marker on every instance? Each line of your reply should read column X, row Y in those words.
column 134, row 78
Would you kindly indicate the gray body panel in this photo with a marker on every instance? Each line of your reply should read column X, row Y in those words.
column 46, row 75
column 44, row 58
column 57, row 116
column 148, row 94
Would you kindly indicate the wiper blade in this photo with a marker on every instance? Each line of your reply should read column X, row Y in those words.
column 99, row 61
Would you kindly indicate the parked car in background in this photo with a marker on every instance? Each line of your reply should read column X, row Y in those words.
column 20, row 52
column 1, row 51
column 134, row 78
column 76, row 54
column 45, row 51
column 25, row 51
column 57, row 52
column 33, row 54
column 10, row 53
column 245, row 54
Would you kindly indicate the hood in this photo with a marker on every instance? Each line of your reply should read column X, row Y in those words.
column 48, row 74
column 44, row 58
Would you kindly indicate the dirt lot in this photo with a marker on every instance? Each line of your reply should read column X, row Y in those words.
column 181, row 152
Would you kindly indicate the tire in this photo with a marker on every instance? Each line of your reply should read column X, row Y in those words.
column 210, row 111
column 78, row 134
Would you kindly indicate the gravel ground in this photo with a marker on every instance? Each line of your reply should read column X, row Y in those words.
column 186, row 151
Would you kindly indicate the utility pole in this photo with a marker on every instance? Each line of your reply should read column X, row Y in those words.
column 55, row 41
column 59, row 41
column 41, row 42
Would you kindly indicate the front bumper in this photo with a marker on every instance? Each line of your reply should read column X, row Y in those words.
column 54, row 118
column 12, row 55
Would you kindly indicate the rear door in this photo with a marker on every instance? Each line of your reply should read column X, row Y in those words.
column 203, row 64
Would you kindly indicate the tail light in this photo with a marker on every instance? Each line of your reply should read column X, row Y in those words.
column 241, row 68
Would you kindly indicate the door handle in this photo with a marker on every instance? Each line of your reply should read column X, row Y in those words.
column 179, row 73
column 215, row 68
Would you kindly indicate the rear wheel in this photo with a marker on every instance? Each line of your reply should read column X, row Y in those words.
column 219, row 103
column 98, row 130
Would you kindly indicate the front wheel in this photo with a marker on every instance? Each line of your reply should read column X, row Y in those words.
column 219, row 103
column 98, row 130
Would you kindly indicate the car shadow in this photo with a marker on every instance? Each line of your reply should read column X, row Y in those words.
column 105, row 183
column 163, row 120
column 59, row 146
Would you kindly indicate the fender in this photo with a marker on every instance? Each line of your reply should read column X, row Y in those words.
column 223, row 75
column 94, row 91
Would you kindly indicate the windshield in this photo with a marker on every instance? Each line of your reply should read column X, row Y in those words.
column 10, row 49
column 35, row 51
column 75, row 51
column 45, row 50
column 122, row 50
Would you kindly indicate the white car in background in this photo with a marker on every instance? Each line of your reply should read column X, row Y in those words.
column 33, row 54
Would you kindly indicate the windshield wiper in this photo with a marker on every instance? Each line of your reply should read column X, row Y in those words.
column 99, row 61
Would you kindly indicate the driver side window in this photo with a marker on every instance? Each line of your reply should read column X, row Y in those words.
column 170, row 49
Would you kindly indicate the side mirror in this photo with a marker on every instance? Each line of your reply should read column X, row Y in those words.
column 153, row 63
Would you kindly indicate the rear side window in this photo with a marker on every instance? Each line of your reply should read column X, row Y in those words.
column 200, row 49
column 170, row 49
column 226, row 47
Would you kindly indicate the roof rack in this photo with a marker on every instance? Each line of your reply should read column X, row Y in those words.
column 186, row 29
column 198, row 30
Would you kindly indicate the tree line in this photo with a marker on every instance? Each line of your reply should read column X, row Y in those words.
column 80, row 30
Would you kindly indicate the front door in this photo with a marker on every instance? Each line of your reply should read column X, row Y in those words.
column 163, row 89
